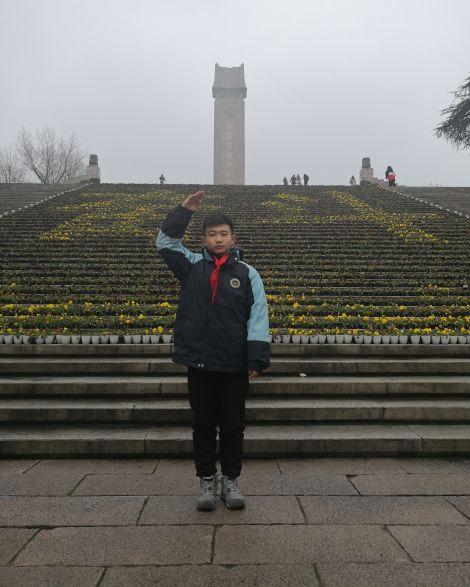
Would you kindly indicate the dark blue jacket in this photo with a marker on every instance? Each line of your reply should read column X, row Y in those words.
column 231, row 334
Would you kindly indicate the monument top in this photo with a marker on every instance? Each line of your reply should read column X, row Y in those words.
column 229, row 81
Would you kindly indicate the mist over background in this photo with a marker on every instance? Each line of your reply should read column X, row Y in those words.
column 328, row 83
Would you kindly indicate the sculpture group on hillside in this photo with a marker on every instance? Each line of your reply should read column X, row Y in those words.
column 366, row 175
column 296, row 180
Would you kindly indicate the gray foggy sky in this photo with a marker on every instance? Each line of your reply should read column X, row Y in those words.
column 328, row 83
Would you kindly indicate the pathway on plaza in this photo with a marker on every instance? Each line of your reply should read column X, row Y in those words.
column 329, row 522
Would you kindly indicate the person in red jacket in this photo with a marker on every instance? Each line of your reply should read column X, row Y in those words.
column 391, row 179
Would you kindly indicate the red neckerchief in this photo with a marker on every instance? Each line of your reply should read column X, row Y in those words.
column 214, row 277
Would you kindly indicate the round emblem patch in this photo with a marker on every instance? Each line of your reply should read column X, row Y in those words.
column 234, row 282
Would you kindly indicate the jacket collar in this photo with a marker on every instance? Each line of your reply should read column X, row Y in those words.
column 236, row 254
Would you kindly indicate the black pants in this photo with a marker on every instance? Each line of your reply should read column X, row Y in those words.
column 217, row 399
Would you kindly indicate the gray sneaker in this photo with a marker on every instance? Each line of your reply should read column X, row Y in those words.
column 207, row 500
column 230, row 494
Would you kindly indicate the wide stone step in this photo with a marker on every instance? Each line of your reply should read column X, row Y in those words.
column 298, row 350
column 268, row 440
column 279, row 365
column 264, row 385
column 448, row 409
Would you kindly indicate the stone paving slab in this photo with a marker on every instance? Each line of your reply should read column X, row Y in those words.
column 70, row 511
column 176, row 509
column 461, row 503
column 188, row 484
column 95, row 466
column 379, row 510
column 35, row 483
column 394, row 574
column 213, row 576
column 124, row 545
column 434, row 543
column 137, row 484
column 50, row 576
column 299, row 483
column 434, row 465
column 11, row 541
column 413, row 484
column 16, row 465
column 171, row 477
column 342, row 466
column 185, row 467
column 178, row 477
column 302, row 544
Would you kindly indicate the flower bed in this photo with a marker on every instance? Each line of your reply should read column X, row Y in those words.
column 340, row 263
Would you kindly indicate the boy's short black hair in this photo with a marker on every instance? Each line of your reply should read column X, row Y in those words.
column 216, row 220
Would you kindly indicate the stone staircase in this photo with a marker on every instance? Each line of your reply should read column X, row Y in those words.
column 450, row 198
column 14, row 196
column 130, row 400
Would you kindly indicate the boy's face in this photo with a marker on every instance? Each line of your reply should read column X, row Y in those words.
column 218, row 239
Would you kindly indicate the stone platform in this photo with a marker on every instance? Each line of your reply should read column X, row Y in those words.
column 323, row 521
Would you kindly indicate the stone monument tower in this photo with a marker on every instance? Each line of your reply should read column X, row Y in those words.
column 229, row 91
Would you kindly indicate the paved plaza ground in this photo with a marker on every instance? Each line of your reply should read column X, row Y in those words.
column 341, row 521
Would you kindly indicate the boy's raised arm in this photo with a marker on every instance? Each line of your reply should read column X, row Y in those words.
column 178, row 258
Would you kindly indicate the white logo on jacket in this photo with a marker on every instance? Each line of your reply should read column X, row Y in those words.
column 235, row 282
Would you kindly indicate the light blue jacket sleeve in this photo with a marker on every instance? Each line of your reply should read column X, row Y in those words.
column 258, row 339
column 174, row 244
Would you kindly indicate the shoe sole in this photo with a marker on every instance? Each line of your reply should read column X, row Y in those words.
column 205, row 507
column 233, row 507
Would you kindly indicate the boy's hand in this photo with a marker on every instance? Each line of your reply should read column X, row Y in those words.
column 193, row 201
column 252, row 373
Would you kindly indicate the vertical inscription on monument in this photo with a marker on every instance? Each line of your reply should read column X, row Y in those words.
column 229, row 91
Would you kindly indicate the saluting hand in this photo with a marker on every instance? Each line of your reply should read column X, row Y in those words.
column 193, row 201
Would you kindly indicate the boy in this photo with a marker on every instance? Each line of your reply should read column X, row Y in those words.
column 221, row 334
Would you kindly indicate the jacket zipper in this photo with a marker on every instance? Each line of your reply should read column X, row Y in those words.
column 204, row 357
column 201, row 365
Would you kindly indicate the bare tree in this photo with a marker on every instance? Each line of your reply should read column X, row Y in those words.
column 456, row 124
column 50, row 158
column 12, row 169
